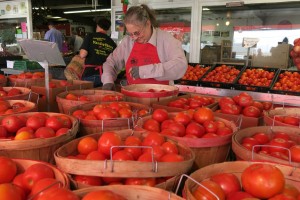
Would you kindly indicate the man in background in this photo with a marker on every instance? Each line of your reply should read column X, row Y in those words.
column 76, row 42
column 54, row 35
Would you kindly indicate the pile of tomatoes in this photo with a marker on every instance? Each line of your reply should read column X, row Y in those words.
column 106, row 98
column 28, row 75
column 197, row 123
column 223, row 74
column 288, row 81
column 288, row 119
column 37, row 181
column 257, row 77
column 108, row 111
column 9, row 92
column 193, row 102
column 7, row 107
column 243, row 104
column 257, row 181
column 279, row 145
column 194, row 73
column 37, row 125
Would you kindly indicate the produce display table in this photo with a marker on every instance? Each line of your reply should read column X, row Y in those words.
column 275, row 98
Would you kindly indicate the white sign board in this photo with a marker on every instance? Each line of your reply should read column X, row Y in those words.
column 250, row 42
column 39, row 51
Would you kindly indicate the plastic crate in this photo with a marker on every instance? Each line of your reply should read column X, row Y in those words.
column 256, row 88
column 186, row 81
column 26, row 65
column 285, row 92
column 225, row 85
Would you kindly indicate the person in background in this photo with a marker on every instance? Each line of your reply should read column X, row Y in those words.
column 76, row 42
column 149, row 54
column 54, row 35
column 95, row 48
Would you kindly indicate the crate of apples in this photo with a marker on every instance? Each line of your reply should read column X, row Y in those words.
column 223, row 75
column 257, row 79
column 287, row 82
column 279, row 144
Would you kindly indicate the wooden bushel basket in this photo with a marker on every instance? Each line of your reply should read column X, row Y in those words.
column 96, row 126
column 64, row 105
column 111, row 168
column 19, row 82
column 244, row 154
column 139, row 93
column 26, row 92
column 38, row 148
column 3, row 81
column 30, row 106
column 207, row 150
column 269, row 116
column 237, row 167
column 133, row 192
column 23, row 164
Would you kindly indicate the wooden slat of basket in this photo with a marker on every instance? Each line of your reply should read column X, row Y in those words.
column 133, row 192
column 38, row 148
column 245, row 154
column 23, row 164
column 121, row 168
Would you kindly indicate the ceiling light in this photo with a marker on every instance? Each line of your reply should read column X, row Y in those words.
column 227, row 23
column 84, row 11
column 205, row 9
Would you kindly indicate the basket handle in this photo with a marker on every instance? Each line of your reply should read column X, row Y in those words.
column 37, row 99
column 154, row 162
column 102, row 122
column 239, row 122
column 192, row 179
column 44, row 189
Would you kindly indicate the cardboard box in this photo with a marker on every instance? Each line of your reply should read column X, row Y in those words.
column 51, row 106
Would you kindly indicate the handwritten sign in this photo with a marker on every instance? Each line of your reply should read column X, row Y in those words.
column 250, row 42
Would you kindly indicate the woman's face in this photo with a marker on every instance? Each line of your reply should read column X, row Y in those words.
column 139, row 33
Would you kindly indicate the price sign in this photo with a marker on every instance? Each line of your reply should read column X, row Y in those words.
column 250, row 42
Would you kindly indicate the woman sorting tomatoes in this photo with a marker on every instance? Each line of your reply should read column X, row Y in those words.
column 150, row 55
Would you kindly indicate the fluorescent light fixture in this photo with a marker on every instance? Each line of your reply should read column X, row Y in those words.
column 205, row 9
column 55, row 17
column 84, row 11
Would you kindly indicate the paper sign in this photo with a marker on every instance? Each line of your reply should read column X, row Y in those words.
column 24, row 26
column 114, row 35
column 250, row 42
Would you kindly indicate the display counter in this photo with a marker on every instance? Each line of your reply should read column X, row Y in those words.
column 275, row 98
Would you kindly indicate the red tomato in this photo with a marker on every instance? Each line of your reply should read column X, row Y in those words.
column 86, row 145
column 12, row 123
column 282, row 135
column 295, row 153
column 182, row 118
column 258, row 105
column 125, row 113
column 228, row 182
column 160, row 115
column 145, row 157
column 107, row 113
column 194, row 128
column 203, row 114
column 239, row 195
column 4, row 105
column 133, row 141
column 279, row 145
column 3, row 132
column 262, row 180
column 282, row 197
column 44, row 132
column 9, row 191
column 8, row 170
column 107, row 140
column 224, row 131
column 170, row 147
column 95, row 155
column 172, row 157
column 261, row 137
column 35, row 173
column 249, row 142
column 109, row 180
column 122, row 155
column 251, row 111
column 25, row 128
column 103, row 195
column 151, row 125
column 177, row 128
column 35, row 122
column 88, row 180
column 157, row 151
column 209, row 135
column 59, row 194
column 66, row 121
column 231, row 109
column 210, row 126
column 46, row 184
column 141, row 181
column 18, row 180
column 267, row 105
column 294, row 121
column 245, row 100
column 291, row 190
column 202, row 193
column 153, row 139
column 61, row 131
column 225, row 101
column 166, row 124
column 80, row 114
